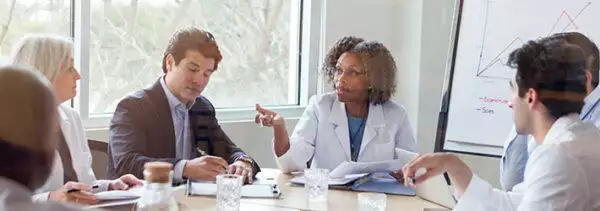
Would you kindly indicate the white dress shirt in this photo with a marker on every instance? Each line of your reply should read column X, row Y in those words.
column 321, row 135
column 72, row 128
column 561, row 174
column 184, row 148
column 14, row 196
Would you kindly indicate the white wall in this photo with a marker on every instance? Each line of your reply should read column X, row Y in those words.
column 417, row 33
column 435, row 43
column 367, row 19
column 407, row 52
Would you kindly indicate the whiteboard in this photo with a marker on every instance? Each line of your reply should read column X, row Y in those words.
column 486, row 32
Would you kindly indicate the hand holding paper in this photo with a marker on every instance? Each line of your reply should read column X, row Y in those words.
column 405, row 156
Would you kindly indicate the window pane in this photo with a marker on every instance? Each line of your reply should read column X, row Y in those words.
column 129, row 37
column 21, row 17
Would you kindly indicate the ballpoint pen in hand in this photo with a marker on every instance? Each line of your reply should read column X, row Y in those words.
column 203, row 153
column 75, row 189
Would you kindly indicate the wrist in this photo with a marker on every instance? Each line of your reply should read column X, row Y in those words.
column 452, row 164
column 460, row 174
column 184, row 171
column 51, row 196
column 456, row 168
column 280, row 125
column 245, row 159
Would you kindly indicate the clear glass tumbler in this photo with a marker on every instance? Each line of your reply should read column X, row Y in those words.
column 316, row 185
column 229, row 188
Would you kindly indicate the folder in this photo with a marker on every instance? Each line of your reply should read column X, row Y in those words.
column 382, row 184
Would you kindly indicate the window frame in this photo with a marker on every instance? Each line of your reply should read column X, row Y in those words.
column 310, row 16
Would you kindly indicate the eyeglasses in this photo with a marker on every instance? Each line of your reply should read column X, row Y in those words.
column 350, row 73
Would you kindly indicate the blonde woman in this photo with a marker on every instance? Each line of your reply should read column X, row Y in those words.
column 53, row 57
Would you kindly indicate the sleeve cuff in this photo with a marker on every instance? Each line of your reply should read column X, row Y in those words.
column 286, row 162
column 103, row 185
column 476, row 192
column 178, row 171
column 237, row 155
column 41, row 197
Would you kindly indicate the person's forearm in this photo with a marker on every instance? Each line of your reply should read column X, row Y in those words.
column 281, row 140
column 460, row 174
column 133, row 163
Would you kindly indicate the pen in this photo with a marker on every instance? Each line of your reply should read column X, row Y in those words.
column 200, row 151
column 75, row 189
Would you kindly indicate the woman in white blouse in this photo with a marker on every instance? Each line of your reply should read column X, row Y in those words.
column 53, row 57
column 358, row 122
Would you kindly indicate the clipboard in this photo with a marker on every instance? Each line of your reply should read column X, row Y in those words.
column 248, row 191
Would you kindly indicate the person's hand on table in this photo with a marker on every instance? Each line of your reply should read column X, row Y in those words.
column 125, row 182
column 242, row 168
column 73, row 192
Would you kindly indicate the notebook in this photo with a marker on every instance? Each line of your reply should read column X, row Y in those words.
column 248, row 191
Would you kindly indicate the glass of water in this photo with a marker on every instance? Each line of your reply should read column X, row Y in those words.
column 372, row 201
column 316, row 185
column 229, row 188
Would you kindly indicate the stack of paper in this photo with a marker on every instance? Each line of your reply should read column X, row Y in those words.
column 348, row 172
column 402, row 157
column 300, row 179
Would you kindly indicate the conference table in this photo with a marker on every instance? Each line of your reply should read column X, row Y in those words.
column 294, row 198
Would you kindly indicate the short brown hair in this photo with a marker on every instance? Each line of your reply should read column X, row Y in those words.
column 556, row 70
column 191, row 38
column 377, row 60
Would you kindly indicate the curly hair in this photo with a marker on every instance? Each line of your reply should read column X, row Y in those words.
column 556, row 70
column 377, row 61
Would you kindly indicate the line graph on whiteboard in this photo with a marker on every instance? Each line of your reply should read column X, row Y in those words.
column 479, row 112
column 492, row 65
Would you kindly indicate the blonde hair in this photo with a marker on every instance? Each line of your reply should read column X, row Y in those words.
column 44, row 53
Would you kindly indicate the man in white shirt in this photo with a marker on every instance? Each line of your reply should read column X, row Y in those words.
column 28, row 123
column 561, row 173
column 517, row 148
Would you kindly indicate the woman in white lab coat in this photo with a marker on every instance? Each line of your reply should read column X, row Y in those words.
column 53, row 57
column 358, row 122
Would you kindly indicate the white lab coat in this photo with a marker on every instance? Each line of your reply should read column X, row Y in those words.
column 322, row 134
column 72, row 128
column 589, row 113
column 561, row 174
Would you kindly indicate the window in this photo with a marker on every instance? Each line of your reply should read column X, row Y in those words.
column 119, row 46
column 21, row 17
column 259, row 40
